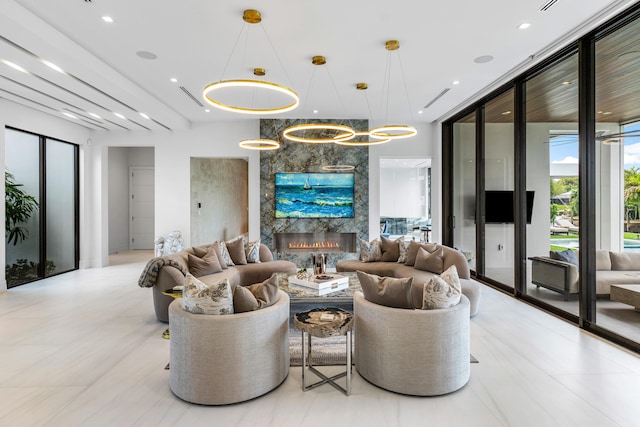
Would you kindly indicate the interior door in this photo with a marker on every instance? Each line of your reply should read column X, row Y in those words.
column 141, row 207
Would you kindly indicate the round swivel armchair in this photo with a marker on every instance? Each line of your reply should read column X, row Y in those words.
column 218, row 360
column 414, row 352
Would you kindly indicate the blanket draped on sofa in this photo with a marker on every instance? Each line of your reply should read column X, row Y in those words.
column 150, row 273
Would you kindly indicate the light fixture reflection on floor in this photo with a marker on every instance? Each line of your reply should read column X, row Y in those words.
column 338, row 168
column 259, row 144
column 337, row 132
column 394, row 131
column 250, row 16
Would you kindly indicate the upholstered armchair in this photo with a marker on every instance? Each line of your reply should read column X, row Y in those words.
column 415, row 352
column 222, row 359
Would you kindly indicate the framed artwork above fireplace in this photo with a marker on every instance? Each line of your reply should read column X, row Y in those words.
column 314, row 195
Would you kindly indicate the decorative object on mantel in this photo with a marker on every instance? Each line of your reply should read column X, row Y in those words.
column 250, row 16
column 394, row 131
column 360, row 136
column 325, row 133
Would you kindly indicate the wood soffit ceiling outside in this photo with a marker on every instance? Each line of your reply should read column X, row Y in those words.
column 549, row 100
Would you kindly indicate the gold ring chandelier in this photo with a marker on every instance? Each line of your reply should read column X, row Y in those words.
column 250, row 16
column 259, row 144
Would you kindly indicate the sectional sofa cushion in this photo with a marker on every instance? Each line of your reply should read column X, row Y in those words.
column 256, row 296
column 236, row 251
column 430, row 261
column 387, row 291
column 202, row 298
column 370, row 251
column 390, row 249
column 625, row 261
column 208, row 264
column 442, row 291
column 412, row 252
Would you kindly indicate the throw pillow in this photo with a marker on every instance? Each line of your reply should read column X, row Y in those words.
column 224, row 251
column 390, row 249
column 433, row 262
column 255, row 297
column 442, row 291
column 413, row 251
column 236, row 251
column 199, row 267
column 370, row 251
column 387, row 291
column 403, row 248
column 200, row 298
column 252, row 251
column 566, row 256
column 199, row 251
column 218, row 251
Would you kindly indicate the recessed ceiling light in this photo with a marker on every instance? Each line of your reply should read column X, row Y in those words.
column 144, row 115
column 52, row 66
column 146, row 55
column 173, row 79
column 567, row 82
column 206, row 110
column 119, row 115
column 506, row 113
column 315, row 111
column 95, row 115
column 420, row 112
column 455, row 82
column 12, row 65
column 69, row 115
column 483, row 59
column 107, row 19
column 524, row 25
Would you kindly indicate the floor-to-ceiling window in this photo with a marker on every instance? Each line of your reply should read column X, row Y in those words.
column 41, row 182
column 552, row 177
column 575, row 170
column 617, row 71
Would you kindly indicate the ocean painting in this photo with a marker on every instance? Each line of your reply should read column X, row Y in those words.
column 314, row 195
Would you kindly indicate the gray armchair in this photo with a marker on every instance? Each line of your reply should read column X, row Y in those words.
column 558, row 276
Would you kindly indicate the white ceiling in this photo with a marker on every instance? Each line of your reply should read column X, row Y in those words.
column 194, row 39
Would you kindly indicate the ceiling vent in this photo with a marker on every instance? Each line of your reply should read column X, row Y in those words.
column 548, row 5
column 190, row 95
column 430, row 103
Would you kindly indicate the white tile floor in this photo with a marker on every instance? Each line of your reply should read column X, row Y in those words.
column 84, row 349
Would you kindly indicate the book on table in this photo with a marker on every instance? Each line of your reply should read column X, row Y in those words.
column 321, row 282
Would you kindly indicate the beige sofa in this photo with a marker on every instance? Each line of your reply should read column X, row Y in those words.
column 218, row 360
column 611, row 268
column 172, row 275
column 470, row 288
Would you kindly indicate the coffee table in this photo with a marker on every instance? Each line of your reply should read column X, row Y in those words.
column 303, row 298
column 627, row 294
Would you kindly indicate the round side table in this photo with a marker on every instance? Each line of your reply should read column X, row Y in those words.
column 324, row 323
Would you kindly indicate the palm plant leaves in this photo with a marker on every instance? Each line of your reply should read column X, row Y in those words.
column 19, row 206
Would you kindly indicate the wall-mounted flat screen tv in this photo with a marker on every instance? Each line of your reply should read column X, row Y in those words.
column 314, row 195
column 499, row 207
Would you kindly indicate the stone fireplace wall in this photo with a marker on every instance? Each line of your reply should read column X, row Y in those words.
column 301, row 157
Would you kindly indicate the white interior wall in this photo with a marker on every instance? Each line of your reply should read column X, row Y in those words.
column 23, row 118
column 400, row 192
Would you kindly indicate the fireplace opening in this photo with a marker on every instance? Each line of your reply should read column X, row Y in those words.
column 325, row 242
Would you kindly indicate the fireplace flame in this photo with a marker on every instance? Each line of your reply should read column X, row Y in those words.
column 314, row 245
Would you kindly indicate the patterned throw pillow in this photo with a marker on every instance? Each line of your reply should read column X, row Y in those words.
column 403, row 249
column 442, row 291
column 252, row 251
column 200, row 298
column 225, row 253
column 218, row 251
column 433, row 262
column 370, row 251
column 387, row 291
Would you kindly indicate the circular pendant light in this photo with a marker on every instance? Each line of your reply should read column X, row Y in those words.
column 393, row 131
column 338, row 168
column 259, row 144
column 340, row 133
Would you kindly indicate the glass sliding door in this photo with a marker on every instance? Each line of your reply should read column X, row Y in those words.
column 617, row 60
column 499, row 234
column 464, row 187
column 552, row 178
column 61, row 220
column 41, row 240
column 22, row 213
